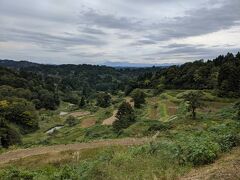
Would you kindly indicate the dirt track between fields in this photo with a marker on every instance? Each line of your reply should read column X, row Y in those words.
column 111, row 120
column 23, row 153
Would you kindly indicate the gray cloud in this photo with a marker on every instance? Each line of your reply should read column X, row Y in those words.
column 200, row 21
column 47, row 40
column 129, row 30
column 89, row 30
column 186, row 52
column 92, row 17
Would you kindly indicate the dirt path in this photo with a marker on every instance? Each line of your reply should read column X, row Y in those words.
column 130, row 101
column 79, row 113
column 227, row 167
column 110, row 121
column 23, row 153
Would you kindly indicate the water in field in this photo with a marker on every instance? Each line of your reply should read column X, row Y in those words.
column 50, row 131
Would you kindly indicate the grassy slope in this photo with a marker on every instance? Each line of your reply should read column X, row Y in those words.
column 157, row 160
column 161, row 108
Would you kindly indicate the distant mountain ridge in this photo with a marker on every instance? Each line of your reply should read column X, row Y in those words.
column 136, row 65
column 25, row 64
column 17, row 64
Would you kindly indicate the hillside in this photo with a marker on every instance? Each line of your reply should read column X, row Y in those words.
column 93, row 122
column 17, row 64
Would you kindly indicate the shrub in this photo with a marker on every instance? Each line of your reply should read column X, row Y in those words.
column 237, row 107
column 158, row 127
column 13, row 173
column 71, row 121
column 227, row 142
column 202, row 152
column 8, row 135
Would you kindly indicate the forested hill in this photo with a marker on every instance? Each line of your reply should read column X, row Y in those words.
column 221, row 74
column 17, row 64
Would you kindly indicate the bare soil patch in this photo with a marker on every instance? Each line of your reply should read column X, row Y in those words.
column 89, row 122
column 79, row 113
column 171, row 108
column 111, row 120
column 130, row 101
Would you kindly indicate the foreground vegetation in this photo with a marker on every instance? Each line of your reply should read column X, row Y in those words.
column 168, row 157
column 189, row 113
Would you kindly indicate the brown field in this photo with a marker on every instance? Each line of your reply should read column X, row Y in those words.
column 171, row 108
column 79, row 113
column 110, row 121
column 89, row 122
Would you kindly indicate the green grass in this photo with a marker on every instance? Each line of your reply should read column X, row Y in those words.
column 156, row 108
column 174, row 153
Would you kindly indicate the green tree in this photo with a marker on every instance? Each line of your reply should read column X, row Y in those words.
column 159, row 89
column 228, row 80
column 103, row 100
column 128, row 89
column 20, row 112
column 237, row 107
column 48, row 100
column 71, row 121
column 8, row 135
column 82, row 102
column 194, row 101
column 125, row 117
column 138, row 97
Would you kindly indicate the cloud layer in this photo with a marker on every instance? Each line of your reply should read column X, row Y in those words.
column 172, row 31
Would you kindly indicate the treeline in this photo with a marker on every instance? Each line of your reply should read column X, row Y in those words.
column 221, row 74
column 29, row 86
column 21, row 93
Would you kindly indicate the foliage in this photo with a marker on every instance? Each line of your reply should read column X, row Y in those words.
column 103, row 100
column 193, row 100
column 221, row 74
column 71, row 121
column 8, row 134
column 82, row 102
column 138, row 98
column 125, row 117
column 237, row 107
column 20, row 112
column 201, row 152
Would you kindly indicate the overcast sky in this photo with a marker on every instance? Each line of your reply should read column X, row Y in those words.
column 135, row 31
